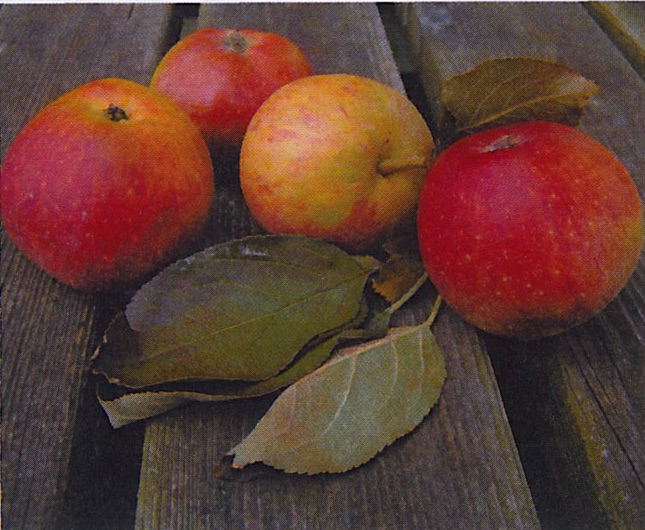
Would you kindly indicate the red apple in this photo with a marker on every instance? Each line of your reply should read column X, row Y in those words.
column 106, row 184
column 529, row 229
column 220, row 77
column 335, row 156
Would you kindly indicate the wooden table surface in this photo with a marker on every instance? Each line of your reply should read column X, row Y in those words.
column 547, row 435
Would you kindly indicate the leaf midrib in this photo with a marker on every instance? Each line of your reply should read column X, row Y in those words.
column 509, row 110
column 210, row 335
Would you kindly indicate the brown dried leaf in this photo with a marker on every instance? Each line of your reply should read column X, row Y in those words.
column 401, row 270
column 506, row 90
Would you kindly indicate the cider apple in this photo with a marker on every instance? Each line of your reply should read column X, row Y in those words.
column 106, row 184
column 529, row 229
column 336, row 156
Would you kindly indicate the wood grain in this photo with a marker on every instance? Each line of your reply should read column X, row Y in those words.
column 590, row 402
column 49, row 330
column 460, row 468
column 624, row 23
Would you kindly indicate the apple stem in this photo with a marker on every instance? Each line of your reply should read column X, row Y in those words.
column 394, row 165
column 115, row 113
column 235, row 41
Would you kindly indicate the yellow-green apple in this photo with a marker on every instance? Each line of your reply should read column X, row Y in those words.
column 221, row 76
column 336, row 156
column 529, row 229
column 106, row 184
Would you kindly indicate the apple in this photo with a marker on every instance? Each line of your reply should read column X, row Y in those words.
column 529, row 229
column 336, row 156
column 221, row 76
column 106, row 184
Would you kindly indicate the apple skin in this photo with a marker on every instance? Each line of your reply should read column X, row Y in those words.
column 336, row 156
column 529, row 229
column 99, row 203
column 220, row 77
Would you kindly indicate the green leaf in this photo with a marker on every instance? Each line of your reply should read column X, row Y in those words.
column 241, row 310
column 506, row 90
column 125, row 406
column 348, row 410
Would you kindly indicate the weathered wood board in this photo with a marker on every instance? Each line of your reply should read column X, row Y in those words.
column 577, row 401
column 48, row 330
column 624, row 23
column 460, row 468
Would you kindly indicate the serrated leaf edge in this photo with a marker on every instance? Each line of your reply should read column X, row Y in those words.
column 341, row 356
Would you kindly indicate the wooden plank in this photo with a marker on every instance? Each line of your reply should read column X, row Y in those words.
column 589, row 401
column 49, row 330
column 624, row 22
column 349, row 47
column 460, row 468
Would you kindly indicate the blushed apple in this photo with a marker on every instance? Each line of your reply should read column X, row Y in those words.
column 106, row 184
column 529, row 229
column 221, row 76
column 336, row 156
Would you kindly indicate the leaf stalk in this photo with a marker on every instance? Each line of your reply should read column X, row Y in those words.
column 434, row 312
column 411, row 292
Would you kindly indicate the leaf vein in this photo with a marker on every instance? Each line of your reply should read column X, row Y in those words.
column 510, row 110
column 346, row 393
column 490, row 94
column 209, row 336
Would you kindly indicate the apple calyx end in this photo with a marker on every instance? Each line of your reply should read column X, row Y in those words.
column 503, row 142
column 235, row 41
column 114, row 113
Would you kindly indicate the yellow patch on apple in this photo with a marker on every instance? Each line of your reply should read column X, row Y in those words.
column 335, row 156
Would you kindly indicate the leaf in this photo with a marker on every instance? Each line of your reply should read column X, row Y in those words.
column 124, row 406
column 506, row 90
column 348, row 410
column 241, row 310
column 401, row 270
